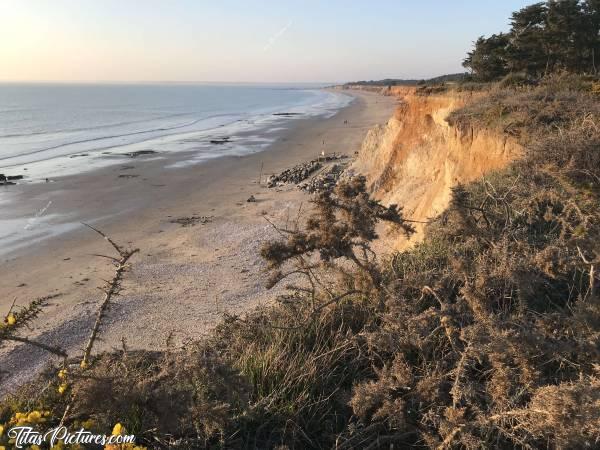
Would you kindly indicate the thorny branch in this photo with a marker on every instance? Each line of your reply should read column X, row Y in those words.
column 111, row 289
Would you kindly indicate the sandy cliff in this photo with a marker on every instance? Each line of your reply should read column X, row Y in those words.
column 417, row 157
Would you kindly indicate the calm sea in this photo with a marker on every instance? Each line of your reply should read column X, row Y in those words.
column 49, row 130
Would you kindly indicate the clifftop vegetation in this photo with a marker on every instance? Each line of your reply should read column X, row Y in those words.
column 544, row 37
column 399, row 82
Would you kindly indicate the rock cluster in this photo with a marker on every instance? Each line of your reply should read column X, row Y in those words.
column 140, row 153
column 295, row 175
column 301, row 172
column 192, row 220
column 325, row 181
column 9, row 179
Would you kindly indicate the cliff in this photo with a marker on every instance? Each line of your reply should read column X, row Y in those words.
column 417, row 157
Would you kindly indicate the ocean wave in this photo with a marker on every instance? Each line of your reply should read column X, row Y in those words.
column 115, row 136
column 192, row 136
column 89, row 128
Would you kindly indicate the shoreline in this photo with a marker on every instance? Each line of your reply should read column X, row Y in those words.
column 185, row 277
column 41, row 204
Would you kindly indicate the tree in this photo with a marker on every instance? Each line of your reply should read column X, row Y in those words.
column 528, row 46
column 488, row 61
column 591, row 11
column 565, row 35
column 544, row 37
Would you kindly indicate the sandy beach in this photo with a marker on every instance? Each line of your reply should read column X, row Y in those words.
column 186, row 275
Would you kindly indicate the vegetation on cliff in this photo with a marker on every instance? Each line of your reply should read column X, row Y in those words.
column 544, row 37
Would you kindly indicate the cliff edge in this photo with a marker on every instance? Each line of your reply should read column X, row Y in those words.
column 416, row 158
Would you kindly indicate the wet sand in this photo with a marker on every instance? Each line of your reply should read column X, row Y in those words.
column 184, row 277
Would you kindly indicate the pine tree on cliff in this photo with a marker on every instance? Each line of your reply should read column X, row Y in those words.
column 488, row 61
column 544, row 37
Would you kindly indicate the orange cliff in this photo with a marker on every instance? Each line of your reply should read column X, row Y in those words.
column 417, row 157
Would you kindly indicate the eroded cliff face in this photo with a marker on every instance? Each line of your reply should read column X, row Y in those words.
column 417, row 157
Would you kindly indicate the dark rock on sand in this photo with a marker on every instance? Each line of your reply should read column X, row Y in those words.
column 325, row 181
column 8, row 180
column 220, row 141
column 140, row 153
column 294, row 175
column 301, row 172
column 192, row 220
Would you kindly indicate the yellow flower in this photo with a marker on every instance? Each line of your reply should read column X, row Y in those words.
column 2, row 447
column 1, row 430
column 62, row 373
column 34, row 416
column 19, row 418
column 62, row 388
column 34, row 447
column 11, row 319
column 118, row 429
column 83, row 365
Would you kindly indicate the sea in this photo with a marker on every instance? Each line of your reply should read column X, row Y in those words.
column 53, row 130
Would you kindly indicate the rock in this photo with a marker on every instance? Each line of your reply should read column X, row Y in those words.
column 9, row 180
column 220, row 141
column 140, row 153
column 251, row 199
column 325, row 181
column 294, row 175
column 193, row 220
column 301, row 172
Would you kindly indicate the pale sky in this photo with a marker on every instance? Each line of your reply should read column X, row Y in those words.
column 237, row 40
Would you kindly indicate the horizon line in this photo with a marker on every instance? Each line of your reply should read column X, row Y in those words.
column 161, row 82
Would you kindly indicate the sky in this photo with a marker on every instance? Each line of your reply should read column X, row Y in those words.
column 241, row 40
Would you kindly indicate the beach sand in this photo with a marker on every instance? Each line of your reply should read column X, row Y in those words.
column 184, row 277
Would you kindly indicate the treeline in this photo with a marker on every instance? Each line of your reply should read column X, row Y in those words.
column 384, row 82
column 544, row 37
column 400, row 82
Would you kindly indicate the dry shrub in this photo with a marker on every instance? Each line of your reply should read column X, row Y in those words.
column 497, row 329
column 531, row 112
column 189, row 394
column 573, row 149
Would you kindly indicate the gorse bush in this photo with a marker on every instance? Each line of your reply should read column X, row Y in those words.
column 506, row 314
